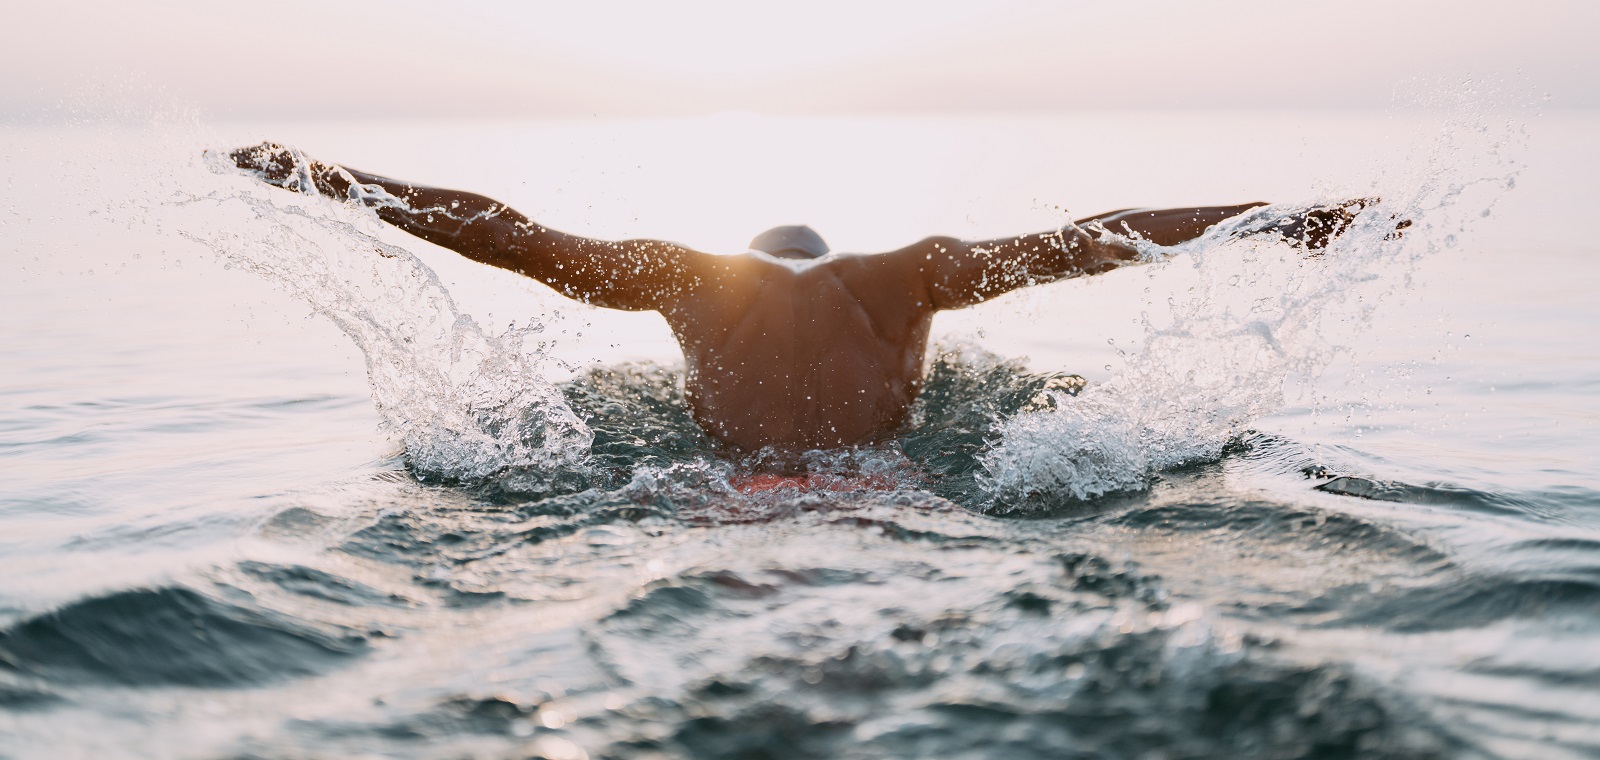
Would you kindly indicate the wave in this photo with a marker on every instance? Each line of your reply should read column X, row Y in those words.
column 1003, row 675
column 170, row 636
column 1476, row 602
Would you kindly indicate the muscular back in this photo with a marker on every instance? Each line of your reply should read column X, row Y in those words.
column 802, row 354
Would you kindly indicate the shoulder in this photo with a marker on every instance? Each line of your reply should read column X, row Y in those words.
column 896, row 274
column 901, row 265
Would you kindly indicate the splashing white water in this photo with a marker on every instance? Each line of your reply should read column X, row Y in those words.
column 1260, row 313
column 467, row 405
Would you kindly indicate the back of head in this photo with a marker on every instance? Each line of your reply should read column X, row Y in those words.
column 793, row 241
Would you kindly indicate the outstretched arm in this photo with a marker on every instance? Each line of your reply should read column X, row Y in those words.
column 961, row 273
column 628, row 274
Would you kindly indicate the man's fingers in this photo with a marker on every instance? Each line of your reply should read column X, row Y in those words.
column 1321, row 225
column 1314, row 228
column 275, row 162
column 1399, row 230
column 1324, row 224
column 243, row 158
column 1358, row 205
column 257, row 156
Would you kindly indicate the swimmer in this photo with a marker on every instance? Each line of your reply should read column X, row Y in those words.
column 789, row 346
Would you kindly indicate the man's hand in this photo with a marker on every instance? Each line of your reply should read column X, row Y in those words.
column 274, row 163
column 290, row 169
column 1321, row 224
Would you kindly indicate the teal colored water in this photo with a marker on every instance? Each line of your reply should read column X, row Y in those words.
column 270, row 494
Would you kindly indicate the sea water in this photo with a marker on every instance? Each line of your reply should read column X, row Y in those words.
column 283, row 482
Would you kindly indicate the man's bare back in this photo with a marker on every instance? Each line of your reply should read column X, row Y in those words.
column 820, row 355
column 791, row 347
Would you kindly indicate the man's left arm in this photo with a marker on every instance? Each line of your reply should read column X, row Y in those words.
column 961, row 273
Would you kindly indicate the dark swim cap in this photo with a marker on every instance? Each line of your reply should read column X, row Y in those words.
column 793, row 241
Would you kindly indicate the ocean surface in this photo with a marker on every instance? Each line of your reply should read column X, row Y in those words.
column 280, row 482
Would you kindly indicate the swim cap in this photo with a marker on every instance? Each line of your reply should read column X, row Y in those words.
column 792, row 241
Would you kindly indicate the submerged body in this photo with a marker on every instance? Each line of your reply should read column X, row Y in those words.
column 789, row 347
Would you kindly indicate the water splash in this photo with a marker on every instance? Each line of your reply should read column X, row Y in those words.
column 1260, row 312
column 467, row 405
column 470, row 406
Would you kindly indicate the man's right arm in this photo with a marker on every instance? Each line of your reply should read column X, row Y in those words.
column 629, row 274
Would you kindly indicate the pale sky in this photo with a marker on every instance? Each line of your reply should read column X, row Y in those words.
column 486, row 58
